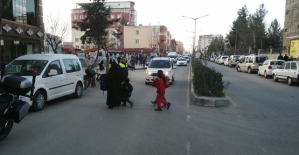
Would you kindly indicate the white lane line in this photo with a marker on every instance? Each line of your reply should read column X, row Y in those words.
column 188, row 118
column 188, row 148
column 188, row 89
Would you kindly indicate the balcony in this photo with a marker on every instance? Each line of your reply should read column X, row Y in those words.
column 162, row 37
column 163, row 28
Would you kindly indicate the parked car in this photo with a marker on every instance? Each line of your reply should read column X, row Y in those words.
column 217, row 59
column 250, row 63
column 225, row 62
column 182, row 62
column 160, row 63
column 268, row 66
column 289, row 71
column 233, row 60
column 57, row 75
column 221, row 59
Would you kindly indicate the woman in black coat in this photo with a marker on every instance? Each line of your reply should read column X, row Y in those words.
column 114, row 86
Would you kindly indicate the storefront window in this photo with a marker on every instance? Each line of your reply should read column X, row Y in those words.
column 22, row 11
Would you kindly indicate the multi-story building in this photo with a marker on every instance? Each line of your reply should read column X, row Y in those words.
column 22, row 29
column 145, row 39
column 205, row 40
column 119, row 9
column 291, row 28
column 180, row 47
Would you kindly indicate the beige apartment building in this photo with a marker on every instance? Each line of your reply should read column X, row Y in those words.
column 146, row 39
column 291, row 28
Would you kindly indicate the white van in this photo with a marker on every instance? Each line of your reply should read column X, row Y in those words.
column 57, row 75
column 160, row 63
column 173, row 56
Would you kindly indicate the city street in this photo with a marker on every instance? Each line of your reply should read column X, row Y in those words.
column 261, row 119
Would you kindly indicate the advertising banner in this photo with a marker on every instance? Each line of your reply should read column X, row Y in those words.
column 294, row 47
column 155, row 30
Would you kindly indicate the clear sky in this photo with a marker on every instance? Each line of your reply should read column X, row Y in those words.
column 221, row 14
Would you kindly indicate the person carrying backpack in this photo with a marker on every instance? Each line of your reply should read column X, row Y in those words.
column 166, row 82
column 127, row 89
column 159, row 84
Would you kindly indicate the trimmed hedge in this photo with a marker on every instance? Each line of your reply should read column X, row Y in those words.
column 207, row 81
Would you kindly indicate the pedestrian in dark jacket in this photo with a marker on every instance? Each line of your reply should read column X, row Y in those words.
column 285, row 58
column 127, row 92
column 280, row 57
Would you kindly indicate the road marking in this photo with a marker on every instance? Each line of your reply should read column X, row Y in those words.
column 188, row 89
column 188, row 118
column 188, row 148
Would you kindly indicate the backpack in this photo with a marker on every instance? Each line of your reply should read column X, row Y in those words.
column 167, row 84
column 103, row 82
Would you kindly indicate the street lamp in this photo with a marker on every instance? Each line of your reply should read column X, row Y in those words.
column 194, row 26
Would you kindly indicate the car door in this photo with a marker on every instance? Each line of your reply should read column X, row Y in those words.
column 54, row 83
column 293, row 70
column 285, row 72
column 263, row 67
column 71, row 70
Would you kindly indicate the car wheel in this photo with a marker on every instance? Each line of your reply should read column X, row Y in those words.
column 265, row 75
column 78, row 90
column 249, row 70
column 258, row 73
column 290, row 82
column 39, row 101
column 275, row 78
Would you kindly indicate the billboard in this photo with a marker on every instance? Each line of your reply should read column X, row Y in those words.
column 294, row 47
column 155, row 30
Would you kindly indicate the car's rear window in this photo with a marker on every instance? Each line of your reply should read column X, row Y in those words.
column 260, row 59
column 159, row 64
column 276, row 62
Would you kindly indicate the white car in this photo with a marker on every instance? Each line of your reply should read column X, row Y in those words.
column 221, row 60
column 225, row 62
column 182, row 62
column 160, row 63
column 268, row 66
column 57, row 75
column 289, row 71
column 187, row 58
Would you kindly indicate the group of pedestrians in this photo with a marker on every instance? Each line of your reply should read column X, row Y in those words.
column 120, row 89
column 285, row 57
column 138, row 59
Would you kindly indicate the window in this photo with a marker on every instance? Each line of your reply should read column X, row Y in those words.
column 137, row 41
column 293, row 66
column 137, row 32
column 77, row 47
column 54, row 65
column 76, row 39
column 112, row 16
column 81, row 16
column 260, row 59
column 71, row 65
column 267, row 62
column 25, row 67
column 76, row 16
column 118, row 16
column 82, row 47
column 288, row 66
column 276, row 62
column 160, row 64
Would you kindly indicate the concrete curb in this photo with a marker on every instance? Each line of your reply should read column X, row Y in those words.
column 207, row 101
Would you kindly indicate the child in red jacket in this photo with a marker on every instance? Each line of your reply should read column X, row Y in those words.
column 159, row 84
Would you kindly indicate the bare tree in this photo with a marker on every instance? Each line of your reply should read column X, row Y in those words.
column 56, row 32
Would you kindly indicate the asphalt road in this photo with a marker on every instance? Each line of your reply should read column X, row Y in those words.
column 262, row 119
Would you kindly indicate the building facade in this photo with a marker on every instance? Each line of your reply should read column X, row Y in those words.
column 145, row 39
column 291, row 28
column 205, row 40
column 119, row 9
column 180, row 47
column 22, row 29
